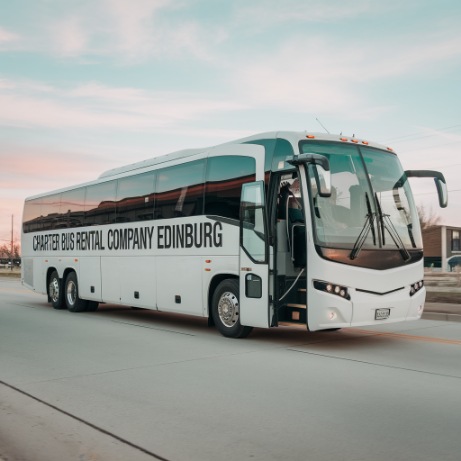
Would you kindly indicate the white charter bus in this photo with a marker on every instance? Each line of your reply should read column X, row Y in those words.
column 274, row 229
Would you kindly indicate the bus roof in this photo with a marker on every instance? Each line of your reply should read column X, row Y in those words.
column 293, row 136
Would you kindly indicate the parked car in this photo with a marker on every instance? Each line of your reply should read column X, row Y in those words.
column 453, row 262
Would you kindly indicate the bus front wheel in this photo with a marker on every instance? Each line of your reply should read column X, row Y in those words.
column 55, row 291
column 73, row 302
column 225, row 310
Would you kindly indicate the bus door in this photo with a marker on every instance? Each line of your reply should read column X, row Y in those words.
column 313, row 168
column 254, row 257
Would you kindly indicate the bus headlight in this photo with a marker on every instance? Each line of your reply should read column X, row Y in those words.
column 332, row 288
column 415, row 287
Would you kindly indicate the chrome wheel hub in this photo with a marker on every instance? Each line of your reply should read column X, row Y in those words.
column 54, row 290
column 228, row 309
column 71, row 293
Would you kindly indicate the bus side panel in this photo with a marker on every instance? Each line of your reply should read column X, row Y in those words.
column 32, row 276
column 27, row 267
column 111, row 268
column 179, row 284
column 89, row 281
column 138, row 282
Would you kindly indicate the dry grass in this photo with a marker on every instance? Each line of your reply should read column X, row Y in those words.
column 10, row 273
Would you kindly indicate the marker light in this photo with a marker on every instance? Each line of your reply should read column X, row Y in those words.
column 415, row 287
column 310, row 136
column 343, row 139
column 333, row 289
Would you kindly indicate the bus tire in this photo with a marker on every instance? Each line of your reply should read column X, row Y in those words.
column 225, row 310
column 73, row 302
column 55, row 291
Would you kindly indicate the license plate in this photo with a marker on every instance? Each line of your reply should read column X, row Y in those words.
column 382, row 314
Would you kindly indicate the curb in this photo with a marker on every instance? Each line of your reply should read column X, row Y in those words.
column 441, row 316
column 8, row 275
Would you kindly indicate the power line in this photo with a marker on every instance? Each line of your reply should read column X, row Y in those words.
column 425, row 136
column 431, row 147
column 431, row 193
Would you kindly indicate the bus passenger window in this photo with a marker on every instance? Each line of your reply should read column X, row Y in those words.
column 72, row 209
column 179, row 190
column 225, row 176
column 135, row 198
column 100, row 204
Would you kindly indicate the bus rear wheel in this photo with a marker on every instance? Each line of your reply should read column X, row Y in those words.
column 55, row 291
column 225, row 310
column 73, row 302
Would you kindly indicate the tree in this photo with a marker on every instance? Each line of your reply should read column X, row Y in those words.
column 427, row 218
column 5, row 252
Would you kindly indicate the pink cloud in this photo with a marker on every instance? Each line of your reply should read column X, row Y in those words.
column 96, row 106
column 7, row 36
column 33, row 170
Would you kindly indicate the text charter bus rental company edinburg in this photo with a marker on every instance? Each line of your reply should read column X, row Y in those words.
column 275, row 229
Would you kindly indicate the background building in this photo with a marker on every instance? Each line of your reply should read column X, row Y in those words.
column 442, row 247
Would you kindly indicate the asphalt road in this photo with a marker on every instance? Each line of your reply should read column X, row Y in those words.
column 141, row 385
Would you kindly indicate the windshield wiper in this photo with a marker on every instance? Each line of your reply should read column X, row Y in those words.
column 386, row 224
column 367, row 227
column 403, row 212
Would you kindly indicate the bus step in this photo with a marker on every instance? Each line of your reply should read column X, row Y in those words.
column 298, row 306
column 293, row 313
column 292, row 324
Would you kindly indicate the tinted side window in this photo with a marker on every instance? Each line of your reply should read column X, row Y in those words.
column 50, row 211
column 135, row 198
column 225, row 176
column 32, row 215
column 100, row 204
column 179, row 190
column 72, row 208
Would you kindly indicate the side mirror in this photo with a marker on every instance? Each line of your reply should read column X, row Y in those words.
column 323, row 180
column 440, row 183
column 442, row 191
column 321, row 167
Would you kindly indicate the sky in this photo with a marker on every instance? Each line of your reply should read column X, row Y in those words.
column 90, row 85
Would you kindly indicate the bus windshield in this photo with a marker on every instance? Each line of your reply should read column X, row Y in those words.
column 370, row 206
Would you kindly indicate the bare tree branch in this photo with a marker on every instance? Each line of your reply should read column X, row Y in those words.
column 427, row 218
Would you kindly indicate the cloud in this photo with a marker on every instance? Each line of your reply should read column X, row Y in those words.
column 317, row 74
column 72, row 38
column 32, row 169
column 267, row 13
column 7, row 38
column 128, row 32
column 97, row 106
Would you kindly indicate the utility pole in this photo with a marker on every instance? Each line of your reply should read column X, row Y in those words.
column 11, row 254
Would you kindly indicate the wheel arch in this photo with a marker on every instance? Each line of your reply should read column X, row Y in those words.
column 215, row 281
column 66, row 272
